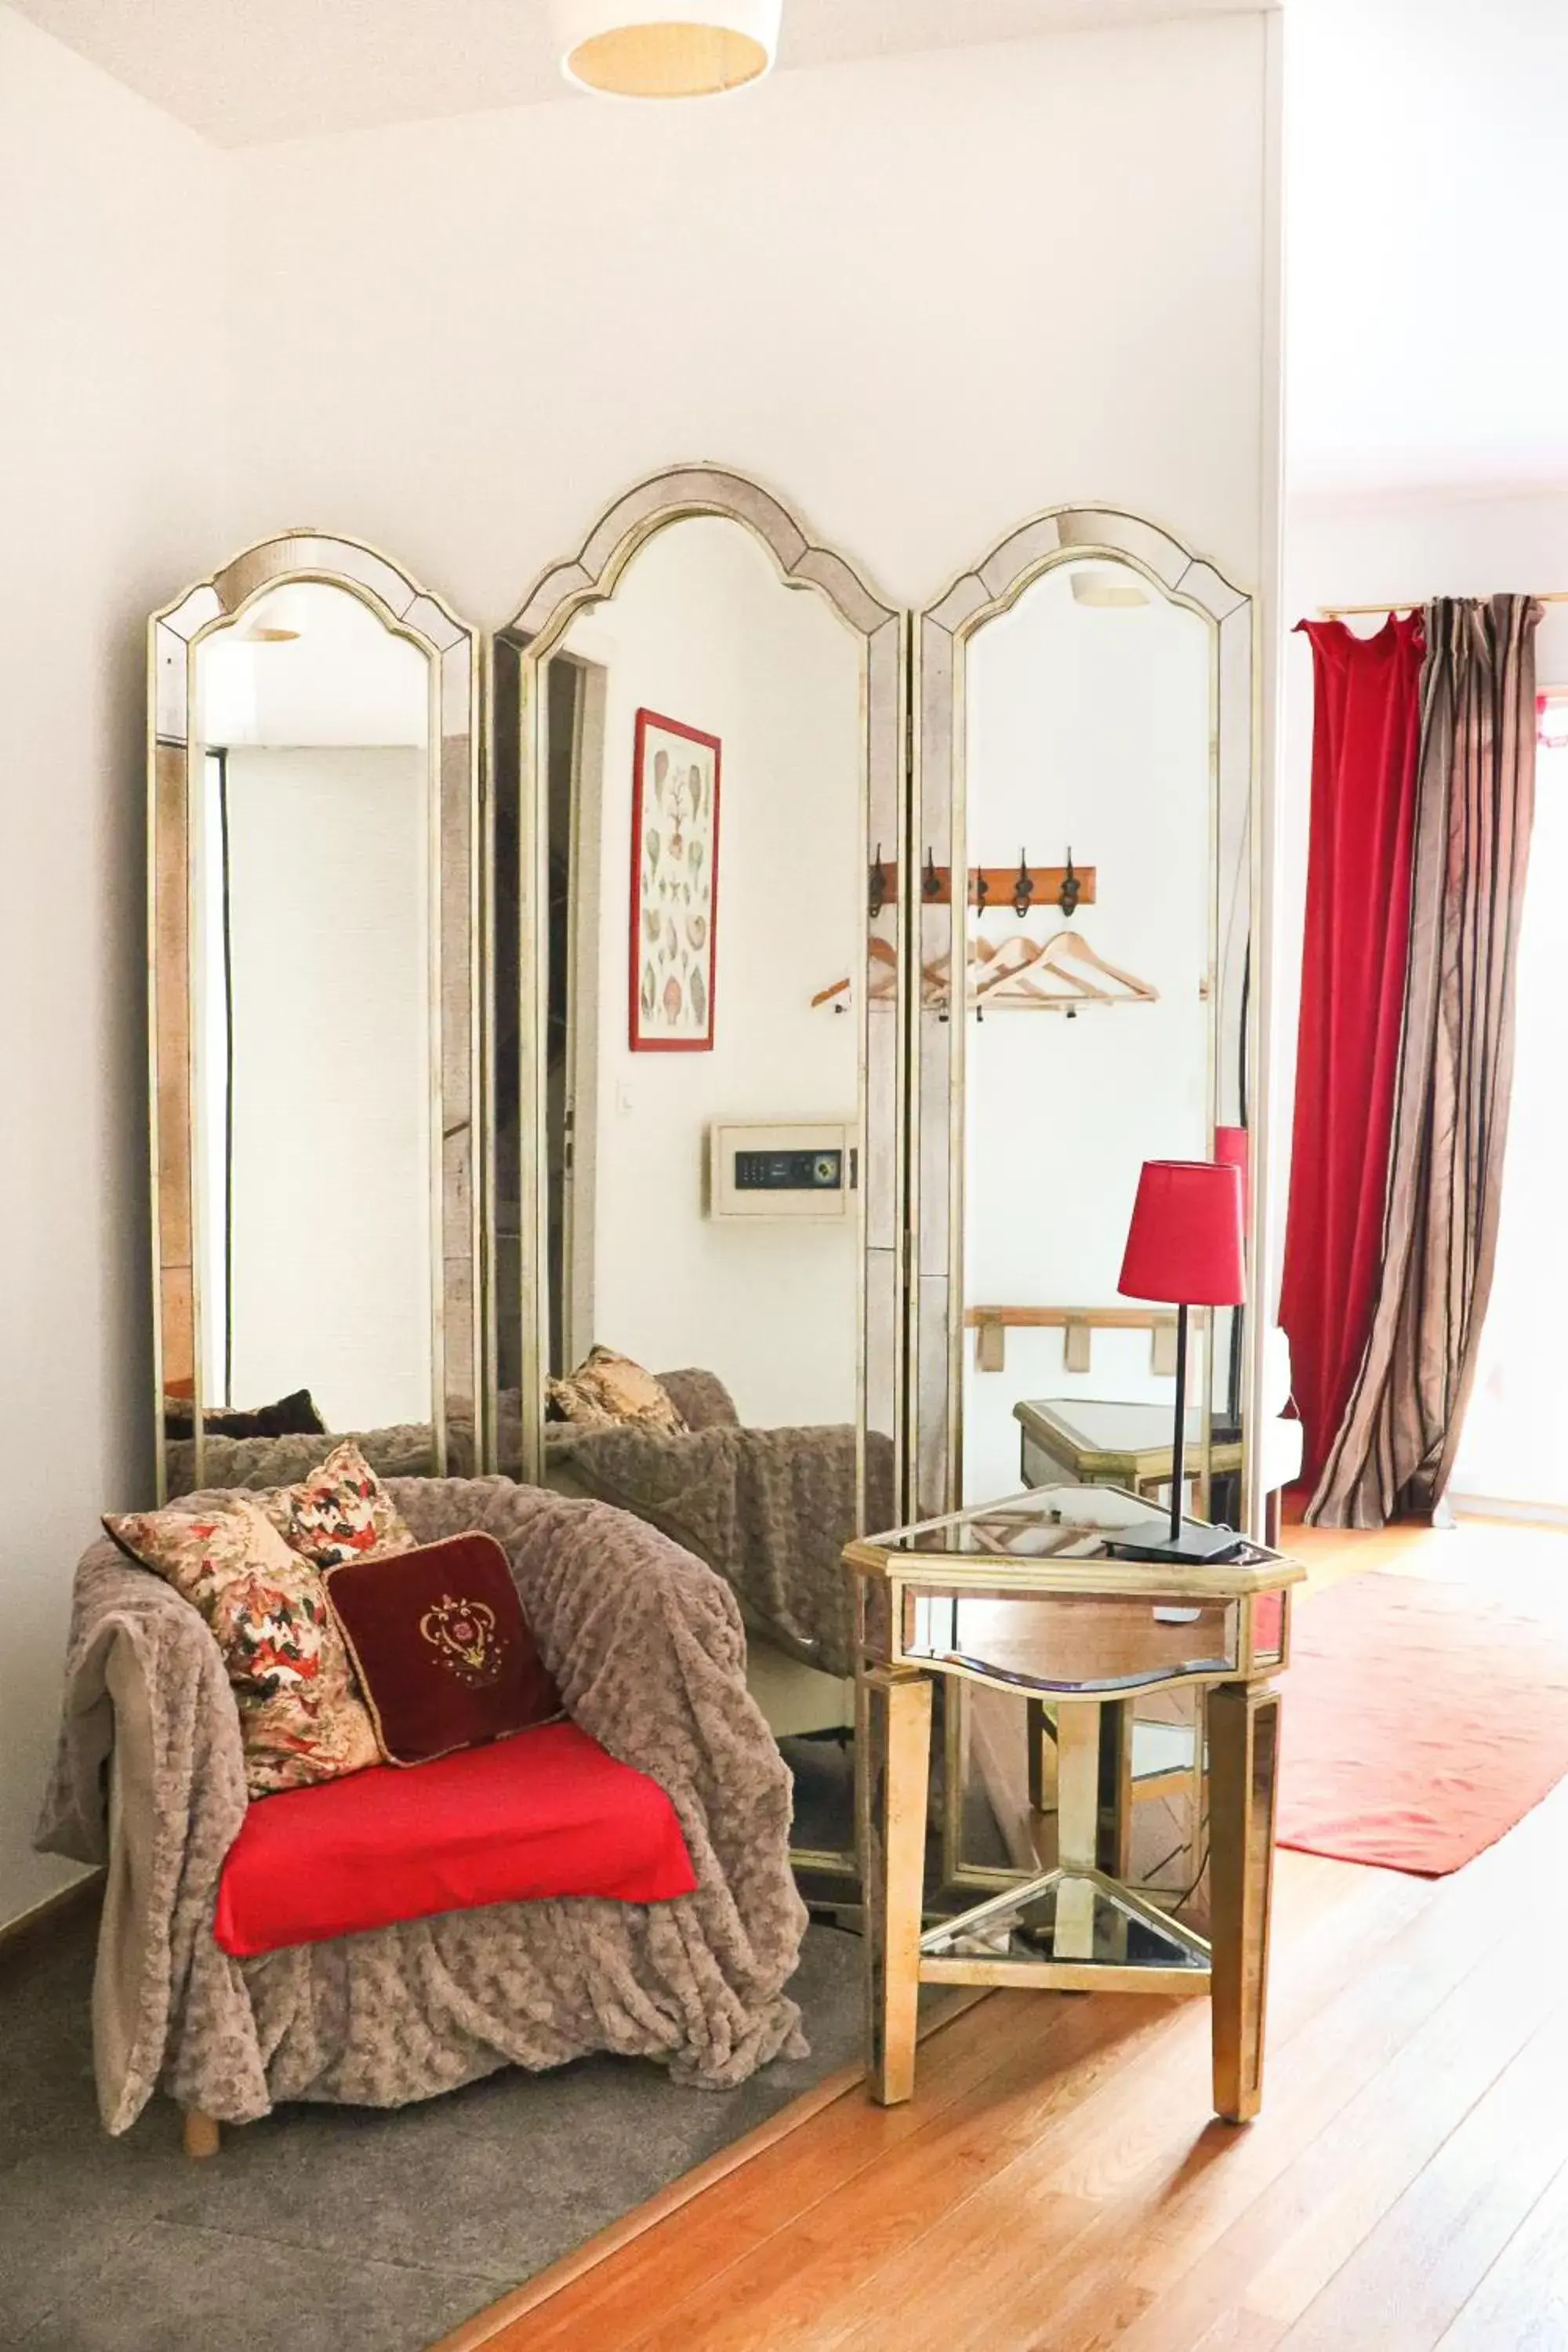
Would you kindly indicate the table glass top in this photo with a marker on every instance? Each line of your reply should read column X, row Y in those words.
column 1110, row 1424
column 1044, row 1523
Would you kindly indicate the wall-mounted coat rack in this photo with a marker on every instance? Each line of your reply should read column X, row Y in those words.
column 1017, row 889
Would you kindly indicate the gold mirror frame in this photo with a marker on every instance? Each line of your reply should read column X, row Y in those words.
column 992, row 586
column 515, row 924
column 174, row 634
column 1066, row 534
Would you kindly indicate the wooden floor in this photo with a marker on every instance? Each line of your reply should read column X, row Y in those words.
column 1058, row 2182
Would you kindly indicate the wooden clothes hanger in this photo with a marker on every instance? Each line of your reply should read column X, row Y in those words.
column 1028, row 964
column 1012, row 976
column 882, row 985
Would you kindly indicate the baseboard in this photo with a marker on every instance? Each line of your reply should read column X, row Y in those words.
column 1500, row 1507
column 31, row 1927
column 487, row 2325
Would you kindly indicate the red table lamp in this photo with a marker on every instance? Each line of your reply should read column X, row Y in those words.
column 1184, row 1248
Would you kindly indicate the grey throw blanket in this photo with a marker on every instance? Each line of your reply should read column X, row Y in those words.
column 403, row 1449
column 647, row 1646
column 771, row 1509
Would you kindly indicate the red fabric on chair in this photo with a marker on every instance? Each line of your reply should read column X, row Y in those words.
column 546, row 1812
column 1366, row 726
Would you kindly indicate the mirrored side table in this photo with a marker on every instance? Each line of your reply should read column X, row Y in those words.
column 1024, row 1595
column 1107, row 1441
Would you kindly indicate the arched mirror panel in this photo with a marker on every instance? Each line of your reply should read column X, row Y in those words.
column 313, row 804
column 698, row 1047
column 1085, row 769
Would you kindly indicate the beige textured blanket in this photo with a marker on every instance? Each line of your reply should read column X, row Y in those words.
column 771, row 1510
column 647, row 1646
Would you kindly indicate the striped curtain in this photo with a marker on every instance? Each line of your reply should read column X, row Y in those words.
column 1475, row 803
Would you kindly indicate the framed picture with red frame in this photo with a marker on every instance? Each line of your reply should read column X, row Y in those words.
column 675, row 886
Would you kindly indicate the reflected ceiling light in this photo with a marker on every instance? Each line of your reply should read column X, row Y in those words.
column 275, row 620
column 1108, row 588
column 666, row 49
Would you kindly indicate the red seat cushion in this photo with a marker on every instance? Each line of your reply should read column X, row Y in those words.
column 545, row 1812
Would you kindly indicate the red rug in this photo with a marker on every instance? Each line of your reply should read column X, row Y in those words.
column 1421, row 1721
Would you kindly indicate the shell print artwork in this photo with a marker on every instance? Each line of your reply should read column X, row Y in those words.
column 675, row 865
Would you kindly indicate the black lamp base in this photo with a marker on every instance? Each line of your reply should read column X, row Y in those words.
column 1194, row 1544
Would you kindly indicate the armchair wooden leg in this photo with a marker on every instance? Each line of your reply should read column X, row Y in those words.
column 201, row 2133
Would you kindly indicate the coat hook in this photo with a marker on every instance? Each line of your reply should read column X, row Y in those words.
column 930, row 880
column 1071, row 890
column 982, row 889
column 1024, row 886
column 877, row 896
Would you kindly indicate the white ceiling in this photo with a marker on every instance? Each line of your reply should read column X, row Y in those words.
column 248, row 71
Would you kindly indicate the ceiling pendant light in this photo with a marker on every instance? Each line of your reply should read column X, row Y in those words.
column 666, row 49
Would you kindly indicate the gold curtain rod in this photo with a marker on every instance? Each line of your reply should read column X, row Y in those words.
column 1414, row 603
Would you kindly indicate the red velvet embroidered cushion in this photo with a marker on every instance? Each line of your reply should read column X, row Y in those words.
column 546, row 1814
column 441, row 1648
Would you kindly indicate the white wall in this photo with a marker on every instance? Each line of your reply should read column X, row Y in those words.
column 328, row 891
column 1090, row 727
column 923, row 298
column 109, row 419
column 703, row 629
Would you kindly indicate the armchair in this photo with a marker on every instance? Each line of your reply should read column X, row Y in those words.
column 646, row 1648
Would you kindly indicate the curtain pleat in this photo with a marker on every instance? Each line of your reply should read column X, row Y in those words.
column 1475, row 802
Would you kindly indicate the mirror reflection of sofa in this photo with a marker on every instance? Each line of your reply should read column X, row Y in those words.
column 769, row 1510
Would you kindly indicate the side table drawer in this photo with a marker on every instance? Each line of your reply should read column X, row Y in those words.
column 1063, row 1642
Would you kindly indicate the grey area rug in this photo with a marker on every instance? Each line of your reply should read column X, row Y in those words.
column 335, row 2228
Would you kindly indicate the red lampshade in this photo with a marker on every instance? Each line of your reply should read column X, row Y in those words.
column 1185, row 1243
column 1230, row 1144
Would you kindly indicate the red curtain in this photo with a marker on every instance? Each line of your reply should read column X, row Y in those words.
column 1366, row 725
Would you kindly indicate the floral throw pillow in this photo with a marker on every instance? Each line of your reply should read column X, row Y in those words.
column 340, row 1512
column 299, row 1718
column 607, row 1389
